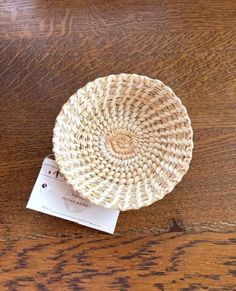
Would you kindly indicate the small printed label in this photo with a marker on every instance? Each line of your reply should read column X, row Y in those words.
column 52, row 195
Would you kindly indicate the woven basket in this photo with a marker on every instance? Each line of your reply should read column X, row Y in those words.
column 123, row 141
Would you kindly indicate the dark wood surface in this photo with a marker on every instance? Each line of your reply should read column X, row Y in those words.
column 48, row 50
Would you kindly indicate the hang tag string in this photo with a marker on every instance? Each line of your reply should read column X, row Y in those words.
column 51, row 156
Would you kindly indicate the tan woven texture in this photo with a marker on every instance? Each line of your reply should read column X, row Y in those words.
column 123, row 141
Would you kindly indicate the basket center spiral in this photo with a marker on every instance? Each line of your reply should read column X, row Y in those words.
column 122, row 143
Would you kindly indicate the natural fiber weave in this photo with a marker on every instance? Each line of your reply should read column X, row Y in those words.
column 123, row 141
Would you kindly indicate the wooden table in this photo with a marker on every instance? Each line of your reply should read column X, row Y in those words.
column 49, row 49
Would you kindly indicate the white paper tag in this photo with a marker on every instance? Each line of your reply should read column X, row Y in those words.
column 52, row 195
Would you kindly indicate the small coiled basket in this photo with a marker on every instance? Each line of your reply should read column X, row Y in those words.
column 123, row 141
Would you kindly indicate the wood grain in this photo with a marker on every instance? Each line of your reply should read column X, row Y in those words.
column 48, row 50
column 173, row 261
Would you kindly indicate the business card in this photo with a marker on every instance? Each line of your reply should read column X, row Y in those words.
column 54, row 196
